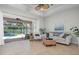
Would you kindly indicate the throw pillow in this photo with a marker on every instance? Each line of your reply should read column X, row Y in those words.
column 65, row 35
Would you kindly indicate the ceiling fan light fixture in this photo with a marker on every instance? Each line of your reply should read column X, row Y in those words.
column 42, row 6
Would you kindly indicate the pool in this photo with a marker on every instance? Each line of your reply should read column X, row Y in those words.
column 9, row 35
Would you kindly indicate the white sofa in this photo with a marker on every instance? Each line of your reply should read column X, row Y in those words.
column 36, row 36
column 66, row 40
column 60, row 39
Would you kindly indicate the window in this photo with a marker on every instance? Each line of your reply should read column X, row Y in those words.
column 13, row 28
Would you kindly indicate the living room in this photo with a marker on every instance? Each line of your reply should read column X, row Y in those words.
column 57, row 25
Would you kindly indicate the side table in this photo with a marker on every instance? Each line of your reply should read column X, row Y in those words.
column 47, row 42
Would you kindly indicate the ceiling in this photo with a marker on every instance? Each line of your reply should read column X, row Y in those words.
column 44, row 12
column 30, row 9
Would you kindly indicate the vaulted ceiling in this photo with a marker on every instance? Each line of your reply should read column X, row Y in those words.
column 30, row 10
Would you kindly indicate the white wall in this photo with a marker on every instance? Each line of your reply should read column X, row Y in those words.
column 41, row 20
column 39, row 23
column 70, row 18
column 1, row 29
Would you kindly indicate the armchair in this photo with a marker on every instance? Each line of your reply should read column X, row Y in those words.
column 37, row 36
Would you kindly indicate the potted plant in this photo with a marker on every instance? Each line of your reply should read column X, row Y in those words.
column 75, row 31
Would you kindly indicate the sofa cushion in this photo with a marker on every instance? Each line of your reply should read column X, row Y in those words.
column 61, row 35
column 65, row 35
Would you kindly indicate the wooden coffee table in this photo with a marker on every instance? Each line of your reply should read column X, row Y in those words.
column 48, row 42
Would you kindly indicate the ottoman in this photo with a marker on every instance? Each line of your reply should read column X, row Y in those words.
column 49, row 42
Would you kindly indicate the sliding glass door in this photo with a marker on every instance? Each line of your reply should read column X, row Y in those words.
column 13, row 28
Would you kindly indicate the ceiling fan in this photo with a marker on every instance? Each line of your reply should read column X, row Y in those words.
column 42, row 6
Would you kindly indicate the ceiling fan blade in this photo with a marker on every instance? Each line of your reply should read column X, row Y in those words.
column 45, row 6
column 42, row 6
column 37, row 8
